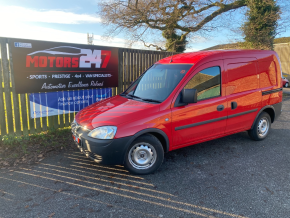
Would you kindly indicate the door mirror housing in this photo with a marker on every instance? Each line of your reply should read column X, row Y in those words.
column 189, row 96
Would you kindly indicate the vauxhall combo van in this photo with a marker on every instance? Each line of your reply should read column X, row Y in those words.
column 180, row 101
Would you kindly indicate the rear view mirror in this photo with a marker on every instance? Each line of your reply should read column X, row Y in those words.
column 189, row 96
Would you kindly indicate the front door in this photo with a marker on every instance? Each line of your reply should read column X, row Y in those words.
column 206, row 118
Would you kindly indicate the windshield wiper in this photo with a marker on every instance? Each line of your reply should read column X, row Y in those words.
column 151, row 100
column 133, row 96
column 143, row 99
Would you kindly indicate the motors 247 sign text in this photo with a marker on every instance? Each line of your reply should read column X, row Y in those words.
column 41, row 66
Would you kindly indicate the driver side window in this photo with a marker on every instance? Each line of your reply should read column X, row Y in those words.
column 207, row 83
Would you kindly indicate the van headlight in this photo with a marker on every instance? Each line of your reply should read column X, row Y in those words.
column 103, row 132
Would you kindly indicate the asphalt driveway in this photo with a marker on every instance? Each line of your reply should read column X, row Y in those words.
column 286, row 90
column 228, row 177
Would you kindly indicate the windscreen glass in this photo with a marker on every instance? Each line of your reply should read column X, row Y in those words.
column 158, row 82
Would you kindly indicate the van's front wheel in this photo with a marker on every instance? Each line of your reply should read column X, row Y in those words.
column 145, row 155
column 261, row 127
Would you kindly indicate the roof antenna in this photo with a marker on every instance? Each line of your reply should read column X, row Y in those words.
column 172, row 54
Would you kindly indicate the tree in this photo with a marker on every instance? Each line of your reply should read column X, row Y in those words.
column 176, row 19
column 260, row 29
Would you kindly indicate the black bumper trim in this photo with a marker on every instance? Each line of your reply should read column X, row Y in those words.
column 200, row 123
column 214, row 120
column 242, row 113
column 278, row 109
column 107, row 151
column 272, row 91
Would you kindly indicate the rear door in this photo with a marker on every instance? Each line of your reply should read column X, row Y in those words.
column 243, row 94
column 206, row 118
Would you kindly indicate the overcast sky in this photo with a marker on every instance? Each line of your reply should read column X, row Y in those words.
column 71, row 20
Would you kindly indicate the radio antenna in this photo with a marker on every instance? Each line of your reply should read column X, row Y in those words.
column 172, row 54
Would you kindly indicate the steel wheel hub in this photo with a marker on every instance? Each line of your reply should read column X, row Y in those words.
column 263, row 127
column 142, row 156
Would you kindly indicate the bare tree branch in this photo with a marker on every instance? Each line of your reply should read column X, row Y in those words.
column 179, row 18
column 158, row 48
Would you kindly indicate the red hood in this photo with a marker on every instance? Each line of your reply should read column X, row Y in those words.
column 113, row 111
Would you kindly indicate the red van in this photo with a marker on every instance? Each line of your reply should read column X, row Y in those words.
column 180, row 101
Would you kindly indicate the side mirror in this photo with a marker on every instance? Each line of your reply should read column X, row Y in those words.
column 189, row 96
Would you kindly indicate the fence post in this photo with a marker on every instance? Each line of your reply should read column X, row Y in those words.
column 15, row 97
column 2, row 110
column 120, row 70
column 24, row 113
column 7, row 90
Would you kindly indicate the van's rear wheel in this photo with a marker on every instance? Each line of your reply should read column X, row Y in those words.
column 286, row 85
column 145, row 155
column 261, row 127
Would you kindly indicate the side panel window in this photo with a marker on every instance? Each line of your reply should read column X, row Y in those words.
column 241, row 77
column 207, row 82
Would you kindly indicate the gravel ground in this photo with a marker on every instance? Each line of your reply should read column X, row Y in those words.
column 228, row 177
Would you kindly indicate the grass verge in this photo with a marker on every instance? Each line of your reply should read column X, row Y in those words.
column 29, row 149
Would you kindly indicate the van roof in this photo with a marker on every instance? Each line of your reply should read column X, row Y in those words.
column 194, row 57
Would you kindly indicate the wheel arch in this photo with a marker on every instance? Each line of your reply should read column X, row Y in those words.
column 159, row 134
column 268, row 109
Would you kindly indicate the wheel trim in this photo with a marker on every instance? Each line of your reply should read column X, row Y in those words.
column 263, row 126
column 142, row 156
column 286, row 85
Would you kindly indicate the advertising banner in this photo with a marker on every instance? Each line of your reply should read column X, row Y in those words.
column 54, row 103
column 41, row 66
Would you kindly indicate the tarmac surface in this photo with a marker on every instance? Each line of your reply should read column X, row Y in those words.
column 286, row 90
column 230, row 177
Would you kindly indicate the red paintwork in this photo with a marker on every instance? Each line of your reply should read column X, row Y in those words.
column 245, row 75
column 113, row 111
column 198, row 112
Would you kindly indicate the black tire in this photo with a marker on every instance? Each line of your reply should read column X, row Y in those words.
column 261, row 127
column 286, row 85
column 145, row 155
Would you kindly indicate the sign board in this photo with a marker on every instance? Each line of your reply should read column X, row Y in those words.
column 54, row 103
column 41, row 66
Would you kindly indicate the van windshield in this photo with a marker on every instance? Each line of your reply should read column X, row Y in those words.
column 157, row 83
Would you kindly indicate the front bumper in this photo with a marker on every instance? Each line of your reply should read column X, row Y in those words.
column 104, row 151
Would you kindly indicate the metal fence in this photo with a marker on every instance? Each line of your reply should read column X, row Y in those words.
column 14, row 108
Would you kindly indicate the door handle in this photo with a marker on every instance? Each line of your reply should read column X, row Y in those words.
column 234, row 105
column 220, row 107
